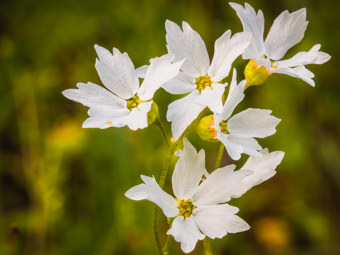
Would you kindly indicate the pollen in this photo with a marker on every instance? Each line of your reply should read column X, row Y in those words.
column 133, row 102
column 202, row 82
column 223, row 126
column 185, row 207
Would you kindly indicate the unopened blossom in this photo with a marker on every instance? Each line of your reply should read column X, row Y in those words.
column 198, row 77
column 265, row 55
column 123, row 102
column 200, row 207
column 238, row 132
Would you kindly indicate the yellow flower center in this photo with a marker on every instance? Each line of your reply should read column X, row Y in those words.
column 202, row 82
column 133, row 102
column 185, row 207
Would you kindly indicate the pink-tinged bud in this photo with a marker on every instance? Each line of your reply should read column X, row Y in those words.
column 206, row 129
column 255, row 74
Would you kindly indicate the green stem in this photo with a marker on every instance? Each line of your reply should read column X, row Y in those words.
column 155, row 231
column 207, row 246
column 166, row 244
column 166, row 166
column 219, row 156
column 161, row 126
column 162, row 179
column 207, row 241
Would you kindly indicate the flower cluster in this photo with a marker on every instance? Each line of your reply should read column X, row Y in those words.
column 199, row 206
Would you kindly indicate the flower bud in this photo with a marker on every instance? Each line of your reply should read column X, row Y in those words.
column 153, row 113
column 255, row 74
column 206, row 129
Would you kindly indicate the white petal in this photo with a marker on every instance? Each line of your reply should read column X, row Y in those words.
column 186, row 232
column 138, row 118
column 188, row 45
column 91, row 95
column 313, row 56
column 253, row 23
column 253, row 123
column 235, row 96
column 249, row 145
column 182, row 112
column 263, row 168
column 266, row 62
column 212, row 97
column 106, row 109
column 234, row 150
column 104, row 117
column 220, row 186
column 287, row 30
column 226, row 51
column 300, row 72
column 180, row 84
column 215, row 221
column 188, row 171
column 151, row 191
column 117, row 72
column 160, row 71
column 103, row 122
column 141, row 71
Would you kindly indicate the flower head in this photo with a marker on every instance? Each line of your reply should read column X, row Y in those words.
column 200, row 78
column 287, row 30
column 200, row 207
column 123, row 102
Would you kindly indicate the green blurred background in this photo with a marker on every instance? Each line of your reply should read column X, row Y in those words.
column 62, row 187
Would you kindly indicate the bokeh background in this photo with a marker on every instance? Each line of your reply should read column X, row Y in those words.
column 62, row 187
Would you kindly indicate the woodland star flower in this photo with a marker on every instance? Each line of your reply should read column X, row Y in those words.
column 123, row 102
column 287, row 30
column 237, row 132
column 200, row 78
column 199, row 208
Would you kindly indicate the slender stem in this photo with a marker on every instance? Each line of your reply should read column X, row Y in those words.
column 162, row 179
column 207, row 246
column 207, row 241
column 155, row 230
column 219, row 156
column 166, row 245
column 161, row 126
column 166, row 166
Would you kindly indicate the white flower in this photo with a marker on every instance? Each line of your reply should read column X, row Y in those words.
column 237, row 133
column 287, row 30
column 124, row 102
column 199, row 207
column 199, row 78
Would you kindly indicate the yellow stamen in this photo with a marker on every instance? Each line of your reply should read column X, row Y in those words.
column 223, row 126
column 202, row 82
column 133, row 102
column 185, row 207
